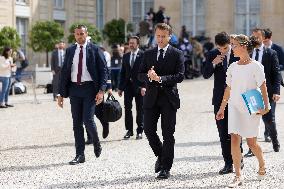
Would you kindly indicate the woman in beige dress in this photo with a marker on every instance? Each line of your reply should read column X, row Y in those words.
column 243, row 75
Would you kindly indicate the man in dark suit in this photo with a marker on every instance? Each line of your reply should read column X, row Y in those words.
column 162, row 69
column 57, row 58
column 280, row 52
column 83, row 80
column 269, row 60
column 217, row 62
column 132, row 87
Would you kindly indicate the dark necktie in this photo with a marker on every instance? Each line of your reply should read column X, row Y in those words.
column 225, row 62
column 132, row 60
column 79, row 74
column 256, row 54
column 160, row 58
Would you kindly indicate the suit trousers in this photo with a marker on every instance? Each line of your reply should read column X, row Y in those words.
column 83, row 110
column 164, row 108
column 269, row 122
column 225, row 138
column 129, row 94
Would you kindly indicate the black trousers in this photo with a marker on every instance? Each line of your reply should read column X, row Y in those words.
column 225, row 138
column 82, row 100
column 99, row 114
column 269, row 122
column 129, row 94
column 163, row 150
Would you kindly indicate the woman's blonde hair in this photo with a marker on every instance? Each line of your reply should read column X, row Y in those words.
column 250, row 42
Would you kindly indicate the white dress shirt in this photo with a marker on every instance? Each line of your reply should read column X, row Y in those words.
column 74, row 70
column 260, row 53
column 165, row 50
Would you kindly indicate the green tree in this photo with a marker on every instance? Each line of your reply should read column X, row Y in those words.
column 93, row 32
column 44, row 35
column 9, row 37
column 114, row 31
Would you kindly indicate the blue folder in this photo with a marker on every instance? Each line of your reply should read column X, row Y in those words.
column 253, row 100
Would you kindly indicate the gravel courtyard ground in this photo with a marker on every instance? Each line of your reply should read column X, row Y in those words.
column 37, row 142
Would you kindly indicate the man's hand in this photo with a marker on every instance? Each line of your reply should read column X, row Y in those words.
column 53, row 72
column 109, row 91
column 99, row 97
column 275, row 97
column 60, row 101
column 151, row 73
column 120, row 93
column 219, row 59
column 143, row 91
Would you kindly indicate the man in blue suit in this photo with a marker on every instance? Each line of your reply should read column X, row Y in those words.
column 279, row 50
column 217, row 62
column 83, row 80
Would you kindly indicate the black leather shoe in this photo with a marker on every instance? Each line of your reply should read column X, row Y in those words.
column 276, row 146
column 139, row 136
column 78, row 159
column 9, row 105
column 226, row 170
column 163, row 174
column 3, row 106
column 89, row 141
column 97, row 149
column 249, row 154
column 267, row 139
column 128, row 135
column 158, row 165
column 105, row 130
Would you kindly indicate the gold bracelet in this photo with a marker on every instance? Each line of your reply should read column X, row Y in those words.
column 224, row 100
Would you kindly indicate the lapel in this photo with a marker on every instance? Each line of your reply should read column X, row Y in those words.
column 155, row 53
column 137, row 58
column 88, row 53
column 72, row 53
column 127, row 60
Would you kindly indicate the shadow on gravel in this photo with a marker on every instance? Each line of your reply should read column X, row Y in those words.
column 35, row 167
column 145, row 180
column 34, row 147
column 198, row 158
column 37, row 147
column 190, row 144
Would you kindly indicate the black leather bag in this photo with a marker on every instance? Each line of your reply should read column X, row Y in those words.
column 112, row 110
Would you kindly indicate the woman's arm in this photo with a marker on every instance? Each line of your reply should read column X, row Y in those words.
column 265, row 99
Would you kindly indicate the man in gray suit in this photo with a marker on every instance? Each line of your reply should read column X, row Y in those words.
column 57, row 59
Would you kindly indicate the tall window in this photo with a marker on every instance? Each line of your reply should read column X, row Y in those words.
column 193, row 16
column 246, row 15
column 58, row 4
column 22, row 29
column 100, row 14
column 139, row 10
column 21, row 2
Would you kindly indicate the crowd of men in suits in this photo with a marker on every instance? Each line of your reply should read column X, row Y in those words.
column 151, row 79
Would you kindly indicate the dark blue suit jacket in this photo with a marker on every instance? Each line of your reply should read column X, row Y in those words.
column 96, row 66
column 271, row 70
column 219, row 74
column 127, row 73
column 280, row 54
column 171, row 72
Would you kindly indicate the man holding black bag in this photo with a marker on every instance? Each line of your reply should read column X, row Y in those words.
column 132, row 87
